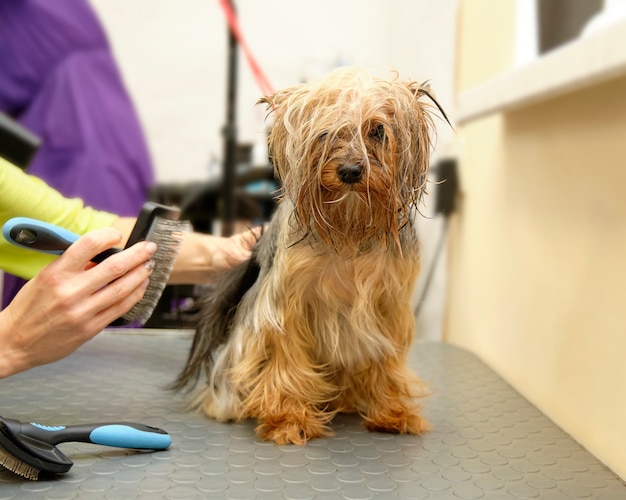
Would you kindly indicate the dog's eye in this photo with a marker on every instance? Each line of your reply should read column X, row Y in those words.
column 378, row 133
column 322, row 137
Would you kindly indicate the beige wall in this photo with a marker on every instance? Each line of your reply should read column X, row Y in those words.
column 537, row 283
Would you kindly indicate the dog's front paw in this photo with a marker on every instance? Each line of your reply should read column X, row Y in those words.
column 283, row 430
column 400, row 421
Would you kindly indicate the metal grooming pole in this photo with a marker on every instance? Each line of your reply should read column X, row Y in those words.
column 229, row 133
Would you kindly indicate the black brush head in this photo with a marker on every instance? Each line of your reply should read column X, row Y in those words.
column 26, row 456
column 150, row 211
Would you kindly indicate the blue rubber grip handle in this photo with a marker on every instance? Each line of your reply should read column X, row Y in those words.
column 121, row 435
column 127, row 436
column 44, row 237
column 38, row 235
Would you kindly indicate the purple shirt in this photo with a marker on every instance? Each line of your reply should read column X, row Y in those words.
column 59, row 78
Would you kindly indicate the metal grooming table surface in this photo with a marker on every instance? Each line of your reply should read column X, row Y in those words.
column 488, row 442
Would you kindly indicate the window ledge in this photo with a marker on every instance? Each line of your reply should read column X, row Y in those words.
column 582, row 63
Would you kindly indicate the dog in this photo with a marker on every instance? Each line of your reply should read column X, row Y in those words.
column 319, row 321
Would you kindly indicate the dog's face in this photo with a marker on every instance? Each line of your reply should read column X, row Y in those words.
column 352, row 153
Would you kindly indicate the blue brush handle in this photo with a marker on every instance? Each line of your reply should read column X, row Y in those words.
column 44, row 237
column 121, row 435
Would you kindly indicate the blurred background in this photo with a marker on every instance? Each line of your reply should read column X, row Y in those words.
column 175, row 60
column 524, row 229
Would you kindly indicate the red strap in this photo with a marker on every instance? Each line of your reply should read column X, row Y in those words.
column 233, row 23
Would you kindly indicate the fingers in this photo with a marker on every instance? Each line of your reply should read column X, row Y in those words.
column 109, row 290
column 77, row 258
column 118, row 298
column 243, row 243
column 119, row 282
column 99, row 292
column 78, row 255
column 251, row 237
column 118, row 265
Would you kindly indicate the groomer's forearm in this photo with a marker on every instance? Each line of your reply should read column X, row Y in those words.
column 194, row 263
column 10, row 360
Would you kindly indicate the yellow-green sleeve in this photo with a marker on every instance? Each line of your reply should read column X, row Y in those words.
column 23, row 195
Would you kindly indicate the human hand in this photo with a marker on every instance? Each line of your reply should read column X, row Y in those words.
column 71, row 300
column 203, row 257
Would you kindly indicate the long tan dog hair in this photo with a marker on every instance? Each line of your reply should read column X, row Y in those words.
column 320, row 321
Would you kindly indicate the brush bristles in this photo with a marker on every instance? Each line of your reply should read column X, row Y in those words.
column 15, row 465
column 168, row 235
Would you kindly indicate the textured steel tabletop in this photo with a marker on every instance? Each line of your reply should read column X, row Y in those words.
column 488, row 441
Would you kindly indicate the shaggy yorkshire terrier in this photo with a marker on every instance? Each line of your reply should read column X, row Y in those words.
column 320, row 321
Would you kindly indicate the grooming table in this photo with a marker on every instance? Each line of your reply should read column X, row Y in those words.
column 488, row 441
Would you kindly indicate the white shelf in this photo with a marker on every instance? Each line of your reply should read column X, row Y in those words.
column 584, row 62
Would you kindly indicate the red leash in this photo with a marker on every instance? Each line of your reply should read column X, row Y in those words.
column 233, row 23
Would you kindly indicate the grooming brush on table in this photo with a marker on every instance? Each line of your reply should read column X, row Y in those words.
column 29, row 449
column 157, row 223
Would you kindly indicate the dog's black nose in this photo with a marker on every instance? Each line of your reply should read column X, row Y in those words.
column 350, row 174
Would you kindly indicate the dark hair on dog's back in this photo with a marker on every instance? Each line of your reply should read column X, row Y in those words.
column 216, row 314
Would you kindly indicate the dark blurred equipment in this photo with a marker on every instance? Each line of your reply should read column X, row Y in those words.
column 446, row 178
column 17, row 144
column 230, row 137
column 253, row 197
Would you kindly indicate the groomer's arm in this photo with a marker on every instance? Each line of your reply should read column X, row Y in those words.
column 202, row 258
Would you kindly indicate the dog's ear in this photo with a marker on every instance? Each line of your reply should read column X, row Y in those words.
column 274, row 136
column 421, row 128
column 278, row 135
column 423, row 89
column 275, row 100
column 268, row 100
